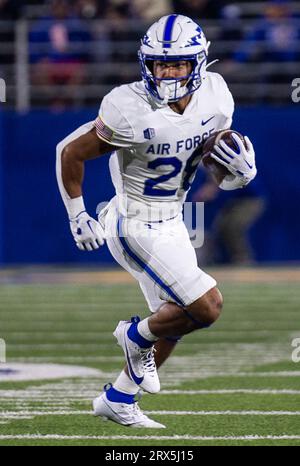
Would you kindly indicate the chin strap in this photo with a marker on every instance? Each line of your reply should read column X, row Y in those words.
column 167, row 95
column 168, row 88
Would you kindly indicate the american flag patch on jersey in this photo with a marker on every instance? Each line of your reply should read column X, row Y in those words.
column 103, row 130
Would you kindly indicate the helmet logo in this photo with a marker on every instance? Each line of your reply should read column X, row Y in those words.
column 146, row 41
column 195, row 40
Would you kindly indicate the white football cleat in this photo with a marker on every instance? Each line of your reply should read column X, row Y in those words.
column 140, row 361
column 122, row 413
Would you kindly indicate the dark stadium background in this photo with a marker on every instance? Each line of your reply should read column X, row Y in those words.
column 44, row 105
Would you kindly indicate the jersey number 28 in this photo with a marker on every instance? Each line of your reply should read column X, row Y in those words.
column 188, row 175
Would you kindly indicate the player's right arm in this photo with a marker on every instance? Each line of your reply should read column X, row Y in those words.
column 72, row 153
column 109, row 132
column 88, row 146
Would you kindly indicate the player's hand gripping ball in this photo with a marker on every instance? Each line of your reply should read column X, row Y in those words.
column 228, row 152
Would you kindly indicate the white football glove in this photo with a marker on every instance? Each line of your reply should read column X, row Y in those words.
column 241, row 161
column 87, row 232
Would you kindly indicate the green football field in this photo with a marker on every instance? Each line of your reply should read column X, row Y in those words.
column 232, row 384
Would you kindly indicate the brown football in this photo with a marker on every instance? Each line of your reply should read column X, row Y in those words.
column 217, row 169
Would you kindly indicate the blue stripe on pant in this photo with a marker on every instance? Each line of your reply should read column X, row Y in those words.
column 151, row 273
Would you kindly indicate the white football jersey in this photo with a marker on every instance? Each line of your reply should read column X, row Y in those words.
column 156, row 162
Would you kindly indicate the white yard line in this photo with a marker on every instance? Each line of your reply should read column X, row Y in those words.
column 16, row 414
column 88, row 393
column 231, row 391
column 55, row 346
column 146, row 437
column 224, row 413
column 77, row 359
column 90, row 332
column 268, row 374
column 206, row 374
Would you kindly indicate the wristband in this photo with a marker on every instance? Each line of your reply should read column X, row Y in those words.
column 75, row 207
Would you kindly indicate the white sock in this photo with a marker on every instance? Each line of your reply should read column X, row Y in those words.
column 144, row 331
column 124, row 384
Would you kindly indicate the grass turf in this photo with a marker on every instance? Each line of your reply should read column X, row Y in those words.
column 249, row 348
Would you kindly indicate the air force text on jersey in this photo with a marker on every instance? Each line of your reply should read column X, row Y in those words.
column 179, row 146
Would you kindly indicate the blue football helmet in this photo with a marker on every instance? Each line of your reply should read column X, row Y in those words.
column 172, row 38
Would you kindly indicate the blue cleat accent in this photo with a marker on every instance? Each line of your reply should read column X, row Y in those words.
column 139, row 354
column 134, row 336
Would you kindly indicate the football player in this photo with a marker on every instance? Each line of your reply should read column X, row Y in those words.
column 153, row 129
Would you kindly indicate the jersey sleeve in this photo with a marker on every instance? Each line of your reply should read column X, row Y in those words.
column 225, row 102
column 112, row 126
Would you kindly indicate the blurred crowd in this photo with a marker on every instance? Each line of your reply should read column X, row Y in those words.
column 147, row 10
column 62, row 38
